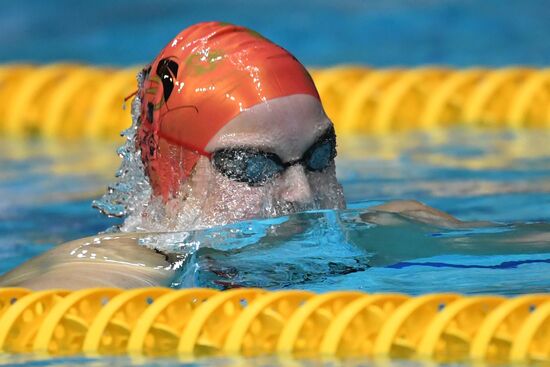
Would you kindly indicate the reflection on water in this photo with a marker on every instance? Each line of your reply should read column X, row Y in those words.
column 456, row 147
column 473, row 174
column 265, row 361
column 51, row 171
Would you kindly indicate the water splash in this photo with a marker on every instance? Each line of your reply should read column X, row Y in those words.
column 130, row 196
column 131, row 192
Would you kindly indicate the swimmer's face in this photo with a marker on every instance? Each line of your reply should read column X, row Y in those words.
column 287, row 128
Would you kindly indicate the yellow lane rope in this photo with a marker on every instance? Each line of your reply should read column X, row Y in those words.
column 155, row 322
column 72, row 101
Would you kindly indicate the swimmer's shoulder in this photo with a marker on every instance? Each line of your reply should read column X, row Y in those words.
column 421, row 212
column 103, row 260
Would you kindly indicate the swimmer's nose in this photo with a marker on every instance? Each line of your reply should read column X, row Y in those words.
column 296, row 188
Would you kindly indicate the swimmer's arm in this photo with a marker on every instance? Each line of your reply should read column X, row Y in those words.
column 100, row 261
column 420, row 212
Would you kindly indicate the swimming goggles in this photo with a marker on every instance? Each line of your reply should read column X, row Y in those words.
column 256, row 167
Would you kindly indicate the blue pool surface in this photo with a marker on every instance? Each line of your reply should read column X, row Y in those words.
column 319, row 32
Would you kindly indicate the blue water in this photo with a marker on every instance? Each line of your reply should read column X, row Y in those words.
column 318, row 32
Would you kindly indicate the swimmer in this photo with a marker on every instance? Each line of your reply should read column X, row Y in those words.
column 229, row 127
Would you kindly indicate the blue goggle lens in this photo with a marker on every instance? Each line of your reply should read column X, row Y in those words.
column 256, row 167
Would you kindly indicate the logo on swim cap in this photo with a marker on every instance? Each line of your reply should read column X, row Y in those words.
column 200, row 64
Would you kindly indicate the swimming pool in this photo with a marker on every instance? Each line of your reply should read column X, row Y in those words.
column 500, row 176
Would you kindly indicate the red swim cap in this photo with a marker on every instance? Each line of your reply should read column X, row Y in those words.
column 207, row 75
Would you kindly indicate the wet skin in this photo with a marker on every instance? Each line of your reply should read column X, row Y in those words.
column 286, row 126
column 98, row 261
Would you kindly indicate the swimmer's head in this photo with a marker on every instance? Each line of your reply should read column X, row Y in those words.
column 226, row 112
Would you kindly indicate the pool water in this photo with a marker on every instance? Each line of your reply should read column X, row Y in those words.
column 498, row 176
column 380, row 33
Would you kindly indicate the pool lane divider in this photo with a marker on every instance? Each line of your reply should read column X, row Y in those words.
column 251, row 322
column 78, row 101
